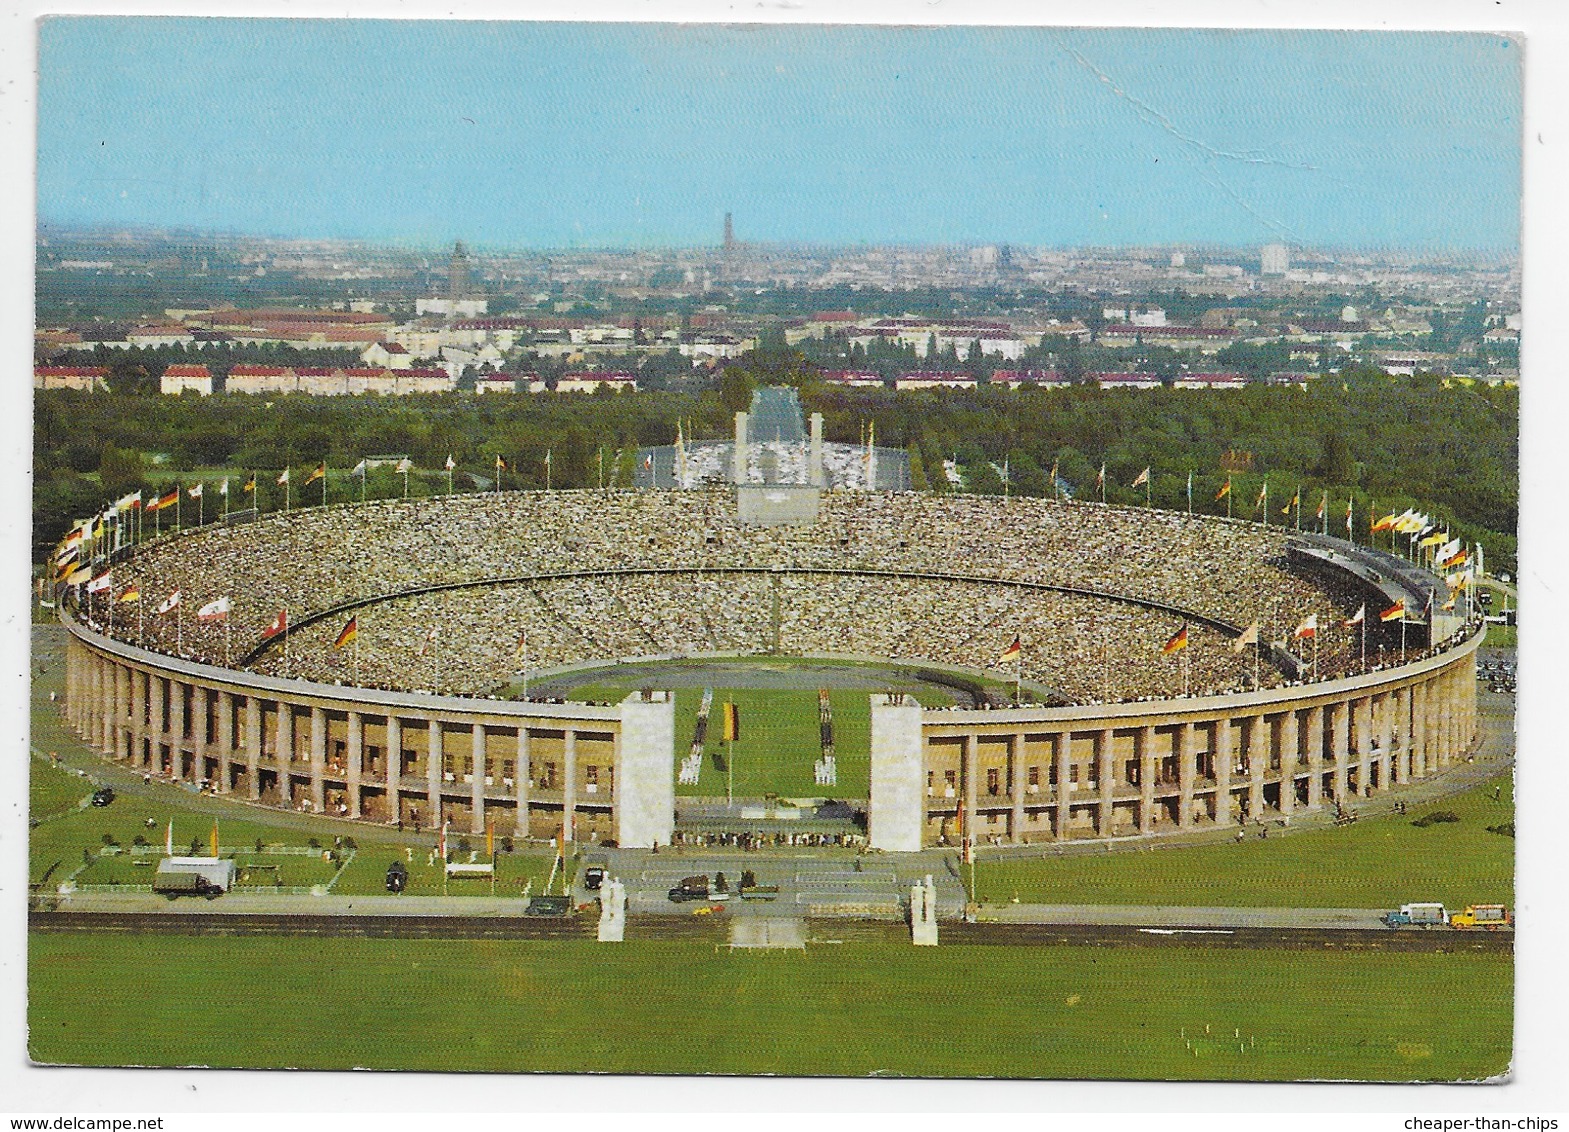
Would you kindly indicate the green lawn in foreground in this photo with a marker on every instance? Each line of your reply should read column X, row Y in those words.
column 856, row 1009
column 1503, row 636
column 53, row 790
column 1378, row 862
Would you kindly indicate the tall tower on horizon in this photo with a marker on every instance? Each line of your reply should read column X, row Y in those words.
column 458, row 274
column 729, row 235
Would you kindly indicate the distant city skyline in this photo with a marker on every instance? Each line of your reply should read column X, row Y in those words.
column 539, row 136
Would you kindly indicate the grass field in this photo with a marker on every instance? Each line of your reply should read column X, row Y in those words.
column 779, row 740
column 858, row 1009
column 1377, row 862
column 52, row 791
column 56, row 847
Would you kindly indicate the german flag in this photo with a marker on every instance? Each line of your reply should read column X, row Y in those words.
column 1225, row 490
column 732, row 723
column 1394, row 612
column 1176, row 643
column 1011, row 653
column 321, row 470
column 350, row 630
column 164, row 501
column 250, row 484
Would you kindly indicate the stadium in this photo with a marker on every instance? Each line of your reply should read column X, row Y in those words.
column 1027, row 670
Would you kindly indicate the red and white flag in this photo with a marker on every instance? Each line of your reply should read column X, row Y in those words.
column 435, row 631
column 214, row 610
column 1356, row 618
column 279, row 624
column 1308, row 627
column 170, row 603
column 102, row 582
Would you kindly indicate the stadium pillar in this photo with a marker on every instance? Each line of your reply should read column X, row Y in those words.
column 433, row 768
column 199, row 725
column 1107, row 771
column 1144, row 746
column 122, row 738
column 521, row 784
column 1340, row 746
column 1315, row 757
column 1454, row 716
column 739, row 470
column 225, row 741
column 253, row 747
column 1015, row 774
column 477, row 779
column 1400, row 733
column 815, row 468
column 318, row 760
column 968, row 769
column 138, row 717
column 1422, row 732
column 1362, row 722
column 283, row 753
column 1289, row 737
column 1223, row 770
column 569, row 791
column 356, row 769
column 1186, row 772
column 105, row 729
column 177, row 730
column 1257, row 746
column 394, row 769
column 1385, row 739
column 1063, row 748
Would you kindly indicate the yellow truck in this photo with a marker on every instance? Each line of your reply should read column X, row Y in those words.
column 1488, row 916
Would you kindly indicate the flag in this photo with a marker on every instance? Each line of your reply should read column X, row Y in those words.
column 1349, row 503
column 66, row 556
column 1012, row 652
column 102, row 582
column 358, row 469
column 280, row 624
column 548, row 455
column 1323, row 507
column 170, row 603
column 1385, row 523
column 319, row 473
column 1225, row 490
column 451, row 463
column 1308, row 627
column 405, row 466
column 131, row 594
column 250, row 484
column 1294, row 501
column 1437, row 538
column 501, row 465
column 522, row 645
column 223, row 488
column 648, row 463
column 732, row 723
column 1176, row 642
column 1100, row 478
column 194, row 492
column 79, row 575
column 351, row 629
column 213, row 840
column 1456, row 559
column 75, row 537
column 69, row 567
column 1248, row 636
column 129, row 502
column 442, row 848
column 214, row 610
column 283, row 477
column 165, row 501
column 1263, row 494
column 490, row 838
column 1143, row 478
column 1459, row 580
column 1356, row 618
column 1394, row 612
column 435, row 631
column 168, row 839
column 1449, row 605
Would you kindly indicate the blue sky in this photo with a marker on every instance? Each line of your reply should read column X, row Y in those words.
column 550, row 135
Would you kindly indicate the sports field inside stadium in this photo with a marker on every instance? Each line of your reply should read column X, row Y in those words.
column 851, row 1010
column 778, row 701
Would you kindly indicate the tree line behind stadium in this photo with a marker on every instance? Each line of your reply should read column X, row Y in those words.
column 1383, row 443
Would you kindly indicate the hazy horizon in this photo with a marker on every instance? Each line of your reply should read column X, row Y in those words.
column 641, row 136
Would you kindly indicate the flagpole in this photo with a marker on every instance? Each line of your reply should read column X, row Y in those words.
column 1364, row 640
column 201, row 508
column 1190, row 493
column 1018, row 675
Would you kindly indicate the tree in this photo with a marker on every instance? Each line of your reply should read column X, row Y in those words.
column 735, row 390
column 918, row 481
column 120, row 470
column 1338, row 465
